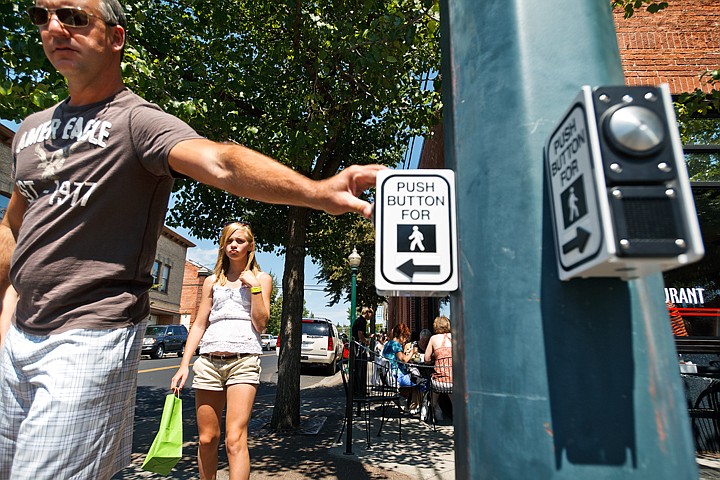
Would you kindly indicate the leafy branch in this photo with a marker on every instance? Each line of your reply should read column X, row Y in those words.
column 629, row 6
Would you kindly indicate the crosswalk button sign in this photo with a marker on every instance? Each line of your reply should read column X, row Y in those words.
column 416, row 233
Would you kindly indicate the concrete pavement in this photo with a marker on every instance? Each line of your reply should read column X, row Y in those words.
column 422, row 454
column 316, row 454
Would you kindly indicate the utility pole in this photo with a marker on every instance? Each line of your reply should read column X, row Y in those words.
column 553, row 379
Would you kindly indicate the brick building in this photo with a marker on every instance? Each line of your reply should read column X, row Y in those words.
column 672, row 46
column 195, row 275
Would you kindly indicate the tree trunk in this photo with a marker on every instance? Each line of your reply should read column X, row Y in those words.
column 286, row 414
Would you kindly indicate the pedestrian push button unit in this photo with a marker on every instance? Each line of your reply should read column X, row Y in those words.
column 620, row 193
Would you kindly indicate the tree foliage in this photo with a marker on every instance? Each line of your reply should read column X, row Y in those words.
column 698, row 103
column 276, row 303
column 629, row 6
column 335, row 270
column 318, row 85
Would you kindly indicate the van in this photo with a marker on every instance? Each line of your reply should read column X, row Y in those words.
column 321, row 344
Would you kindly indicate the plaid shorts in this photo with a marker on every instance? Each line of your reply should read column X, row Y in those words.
column 67, row 403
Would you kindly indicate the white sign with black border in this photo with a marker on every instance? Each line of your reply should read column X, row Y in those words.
column 416, row 233
column 573, row 190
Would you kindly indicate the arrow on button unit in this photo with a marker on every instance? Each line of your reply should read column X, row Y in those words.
column 580, row 241
column 409, row 268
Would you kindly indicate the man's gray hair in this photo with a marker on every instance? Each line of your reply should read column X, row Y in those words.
column 113, row 13
column 425, row 333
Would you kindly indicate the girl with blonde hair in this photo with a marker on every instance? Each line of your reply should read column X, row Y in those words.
column 234, row 310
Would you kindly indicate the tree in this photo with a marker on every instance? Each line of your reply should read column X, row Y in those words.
column 337, row 83
column 317, row 85
column 335, row 271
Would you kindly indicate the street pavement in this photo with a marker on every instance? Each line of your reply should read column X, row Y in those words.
column 319, row 452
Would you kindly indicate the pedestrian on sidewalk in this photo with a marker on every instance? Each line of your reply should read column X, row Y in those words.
column 92, row 178
column 234, row 309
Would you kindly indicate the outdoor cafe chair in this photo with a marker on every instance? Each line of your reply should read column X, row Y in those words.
column 440, row 388
column 705, row 418
column 368, row 395
column 422, row 375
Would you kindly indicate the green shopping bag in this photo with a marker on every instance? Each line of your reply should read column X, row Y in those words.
column 166, row 449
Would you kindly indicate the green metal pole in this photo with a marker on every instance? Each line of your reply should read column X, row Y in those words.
column 553, row 380
column 351, row 366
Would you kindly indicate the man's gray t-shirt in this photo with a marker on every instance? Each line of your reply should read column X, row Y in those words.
column 97, row 182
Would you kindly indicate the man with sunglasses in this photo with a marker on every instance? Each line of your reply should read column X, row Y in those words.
column 93, row 176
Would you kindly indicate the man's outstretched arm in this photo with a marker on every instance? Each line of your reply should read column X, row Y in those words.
column 247, row 173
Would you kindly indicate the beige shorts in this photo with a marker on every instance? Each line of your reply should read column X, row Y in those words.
column 217, row 374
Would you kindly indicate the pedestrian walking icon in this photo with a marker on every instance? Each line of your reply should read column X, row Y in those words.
column 416, row 238
column 574, row 202
column 572, row 205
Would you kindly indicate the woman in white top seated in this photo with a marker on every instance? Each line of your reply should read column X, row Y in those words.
column 234, row 310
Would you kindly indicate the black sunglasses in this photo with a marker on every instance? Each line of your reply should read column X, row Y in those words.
column 73, row 17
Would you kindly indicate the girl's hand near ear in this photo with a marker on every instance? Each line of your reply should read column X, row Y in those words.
column 249, row 279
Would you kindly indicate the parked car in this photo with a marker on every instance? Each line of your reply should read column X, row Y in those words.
column 268, row 341
column 162, row 339
column 321, row 344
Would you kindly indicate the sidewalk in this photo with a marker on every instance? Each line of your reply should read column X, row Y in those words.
column 709, row 466
column 421, row 455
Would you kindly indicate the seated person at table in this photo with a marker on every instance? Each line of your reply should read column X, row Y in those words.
column 394, row 351
column 425, row 335
column 380, row 340
column 439, row 350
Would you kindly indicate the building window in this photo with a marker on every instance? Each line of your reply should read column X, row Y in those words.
column 155, row 273
column 164, row 279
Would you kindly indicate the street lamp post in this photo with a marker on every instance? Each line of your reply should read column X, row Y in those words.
column 354, row 261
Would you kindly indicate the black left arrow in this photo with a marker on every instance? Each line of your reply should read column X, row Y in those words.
column 580, row 241
column 409, row 268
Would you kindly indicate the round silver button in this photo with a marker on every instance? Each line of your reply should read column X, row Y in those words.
column 637, row 129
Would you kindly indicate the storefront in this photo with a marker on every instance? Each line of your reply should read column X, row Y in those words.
column 692, row 294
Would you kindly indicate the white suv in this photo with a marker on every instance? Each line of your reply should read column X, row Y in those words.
column 268, row 341
column 321, row 344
